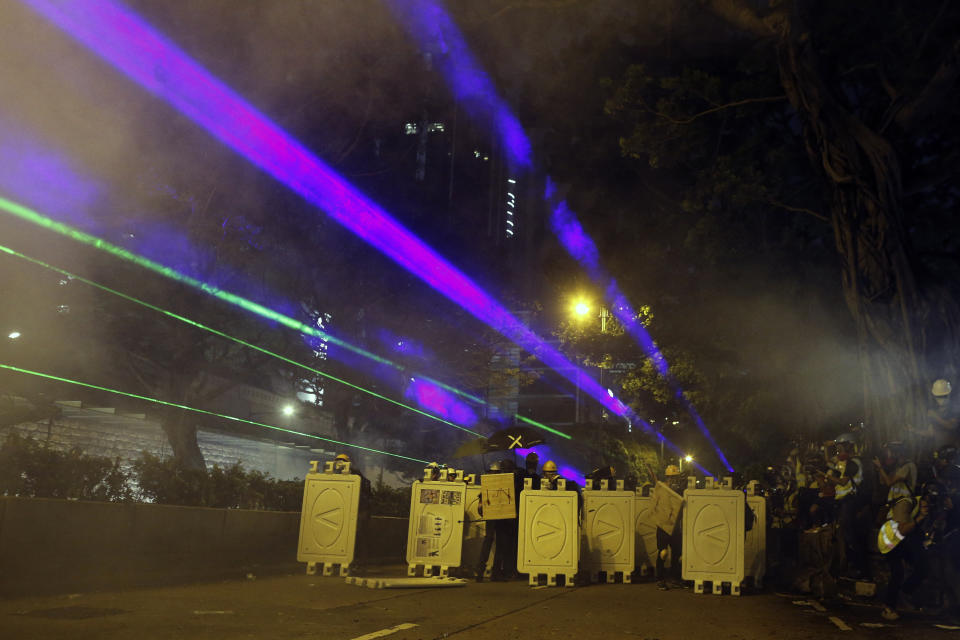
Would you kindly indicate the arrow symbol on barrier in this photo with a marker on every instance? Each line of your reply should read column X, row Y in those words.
column 711, row 532
column 611, row 529
column 332, row 522
column 554, row 530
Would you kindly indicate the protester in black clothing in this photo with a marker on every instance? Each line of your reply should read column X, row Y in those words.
column 907, row 551
column 846, row 481
column 507, row 531
column 489, row 533
column 362, row 547
column 531, row 462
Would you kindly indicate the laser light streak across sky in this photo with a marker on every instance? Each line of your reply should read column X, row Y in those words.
column 214, row 414
column 432, row 27
column 134, row 48
column 29, row 215
column 194, row 323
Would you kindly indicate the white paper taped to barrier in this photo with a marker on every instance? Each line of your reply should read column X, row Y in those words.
column 435, row 530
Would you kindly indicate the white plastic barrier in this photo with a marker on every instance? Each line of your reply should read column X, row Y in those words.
column 645, row 534
column 435, row 531
column 328, row 518
column 713, row 536
column 607, row 544
column 549, row 541
column 755, row 545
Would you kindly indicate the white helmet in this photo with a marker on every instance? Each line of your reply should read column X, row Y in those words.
column 941, row 387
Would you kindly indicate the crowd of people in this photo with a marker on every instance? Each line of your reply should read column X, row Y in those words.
column 899, row 502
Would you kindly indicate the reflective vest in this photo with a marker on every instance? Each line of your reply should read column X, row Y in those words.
column 889, row 536
column 913, row 512
column 844, row 490
column 898, row 490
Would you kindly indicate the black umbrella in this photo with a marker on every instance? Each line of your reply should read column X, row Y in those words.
column 472, row 447
column 514, row 438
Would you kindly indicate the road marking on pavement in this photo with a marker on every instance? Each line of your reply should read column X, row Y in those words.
column 811, row 603
column 843, row 626
column 212, row 613
column 385, row 632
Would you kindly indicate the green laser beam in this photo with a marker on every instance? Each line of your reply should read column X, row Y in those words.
column 203, row 411
column 36, row 218
column 226, row 336
column 29, row 215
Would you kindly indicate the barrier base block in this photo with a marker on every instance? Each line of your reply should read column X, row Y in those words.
column 699, row 586
column 428, row 570
column 328, row 569
column 552, row 579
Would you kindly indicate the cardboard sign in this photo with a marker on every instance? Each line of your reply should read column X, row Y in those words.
column 497, row 495
column 665, row 506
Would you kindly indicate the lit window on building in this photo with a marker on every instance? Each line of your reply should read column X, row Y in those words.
column 436, row 127
column 411, row 128
column 510, row 219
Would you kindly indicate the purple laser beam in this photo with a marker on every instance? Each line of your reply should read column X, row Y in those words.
column 428, row 22
column 130, row 45
column 431, row 26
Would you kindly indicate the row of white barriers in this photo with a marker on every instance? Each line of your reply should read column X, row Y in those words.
column 612, row 536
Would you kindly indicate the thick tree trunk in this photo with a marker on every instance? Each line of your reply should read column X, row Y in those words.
column 178, row 424
column 862, row 175
column 182, row 434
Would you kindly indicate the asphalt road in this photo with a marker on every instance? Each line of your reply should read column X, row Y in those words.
column 301, row 606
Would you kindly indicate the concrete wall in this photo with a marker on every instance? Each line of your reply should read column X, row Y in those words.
column 62, row 546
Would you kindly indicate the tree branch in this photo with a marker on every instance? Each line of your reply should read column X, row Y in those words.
column 740, row 15
column 721, row 107
column 783, row 205
column 933, row 95
column 532, row 4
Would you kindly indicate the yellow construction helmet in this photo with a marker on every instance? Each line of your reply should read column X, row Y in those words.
column 342, row 457
column 549, row 467
column 672, row 470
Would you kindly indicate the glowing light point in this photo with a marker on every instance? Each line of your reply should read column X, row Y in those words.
column 581, row 308
column 610, row 392
column 13, row 335
column 288, row 410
